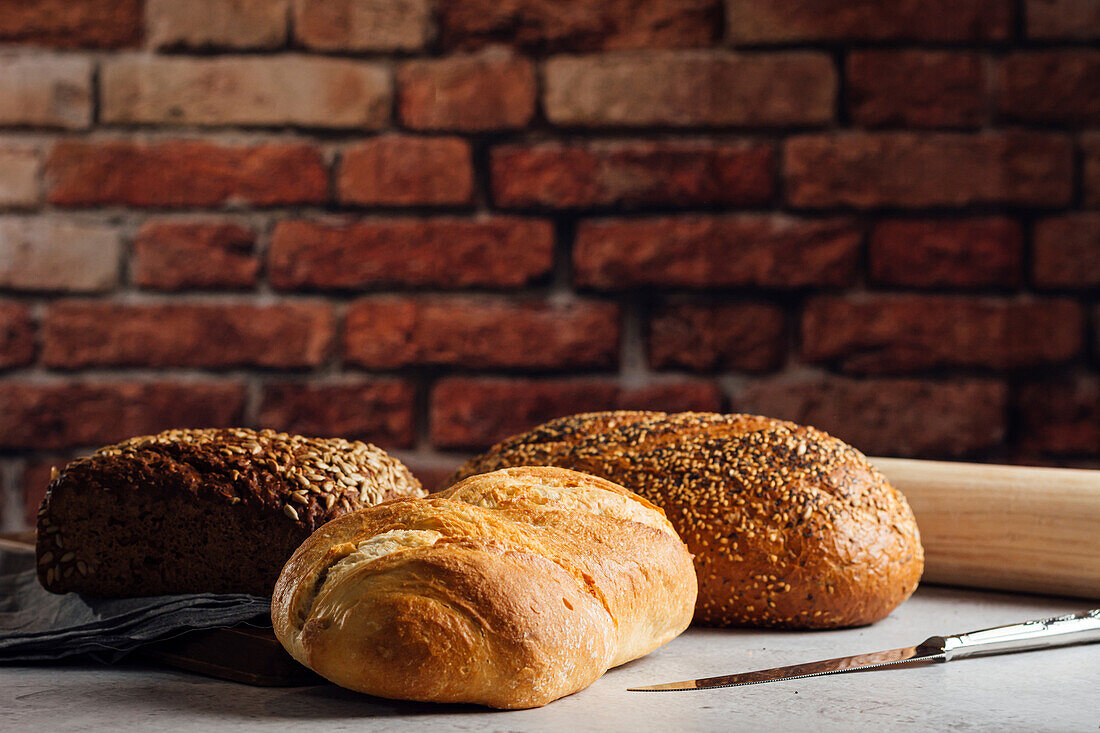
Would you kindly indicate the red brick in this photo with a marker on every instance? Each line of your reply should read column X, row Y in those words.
column 216, row 23
column 786, row 21
column 171, row 255
column 685, row 396
column 1066, row 252
column 690, row 88
column 584, row 25
column 273, row 91
column 181, row 173
column 71, row 23
column 54, row 416
column 560, row 175
column 471, row 332
column 397, row 170
column 1069, row 20
column 85, row 333
column 431, row 471
column 379, row 411
column 51, row 254
column 494, row 252
column 908, row 170
column 488, row 91
column 883, row 334
column 475, row 413
column 1091, row 145
column 890, row 417
column 961, row 253
column 1061, row 417
column 729, row 336
column 916, row 88
column 20, row 169
column 1051, row 86
column 716, row 251
column 45, row 91
column 16, row 334
column 363, row 25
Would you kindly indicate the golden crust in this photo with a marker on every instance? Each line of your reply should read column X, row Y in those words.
column 790, row 527
column 510, row 589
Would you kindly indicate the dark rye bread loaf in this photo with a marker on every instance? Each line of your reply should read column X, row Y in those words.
column 193, row 511
column 789, row 526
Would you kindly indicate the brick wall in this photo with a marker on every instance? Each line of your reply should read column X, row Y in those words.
column 432, row 224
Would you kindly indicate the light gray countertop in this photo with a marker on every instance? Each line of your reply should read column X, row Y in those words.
column 1053, row 690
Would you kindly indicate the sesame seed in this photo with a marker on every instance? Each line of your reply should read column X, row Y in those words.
column 743, row 491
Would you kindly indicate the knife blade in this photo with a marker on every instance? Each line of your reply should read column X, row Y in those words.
column 1081, row 628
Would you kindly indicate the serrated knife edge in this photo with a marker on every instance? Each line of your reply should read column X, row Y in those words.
column 802, row 671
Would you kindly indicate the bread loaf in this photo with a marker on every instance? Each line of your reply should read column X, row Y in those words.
column 790, row 527
column 510, row 589
column 191, row 511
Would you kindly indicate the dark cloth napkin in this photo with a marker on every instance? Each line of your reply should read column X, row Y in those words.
column 36, row 625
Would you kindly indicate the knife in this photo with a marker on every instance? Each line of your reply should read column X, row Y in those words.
column 1080, row 628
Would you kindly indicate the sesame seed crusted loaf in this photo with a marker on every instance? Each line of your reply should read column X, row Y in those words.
column 790, row 527
column 193, row 511
column 510, row 589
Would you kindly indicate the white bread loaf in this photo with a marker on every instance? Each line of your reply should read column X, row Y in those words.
column 510, row 589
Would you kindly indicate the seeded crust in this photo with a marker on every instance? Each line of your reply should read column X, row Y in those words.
column 193, row 511
column 790, row 527
column 511, row 589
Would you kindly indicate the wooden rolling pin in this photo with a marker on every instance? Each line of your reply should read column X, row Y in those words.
column 1005, row 527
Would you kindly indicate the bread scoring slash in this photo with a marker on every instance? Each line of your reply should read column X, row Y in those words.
column 510, row 589
column 201, row 511
column 790, row 527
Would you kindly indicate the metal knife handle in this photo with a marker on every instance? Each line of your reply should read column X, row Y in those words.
column 1080, row 628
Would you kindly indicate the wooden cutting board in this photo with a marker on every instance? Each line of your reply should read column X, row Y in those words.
column 251, row 656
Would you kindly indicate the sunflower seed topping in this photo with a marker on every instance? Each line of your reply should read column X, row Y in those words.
column 292, row 470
